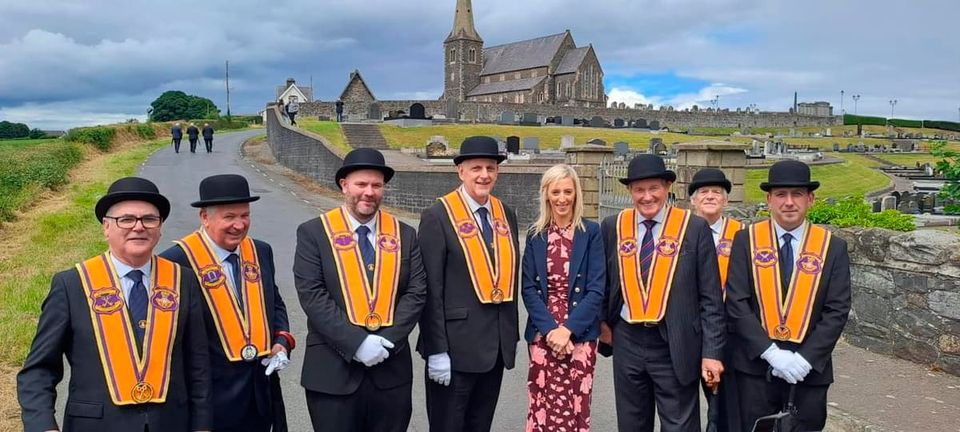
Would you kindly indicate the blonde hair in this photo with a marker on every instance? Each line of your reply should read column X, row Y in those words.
column 550, row 176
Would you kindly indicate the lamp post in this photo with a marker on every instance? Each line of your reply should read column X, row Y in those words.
column 893, row 103
column 856, row 98
column 842, row 112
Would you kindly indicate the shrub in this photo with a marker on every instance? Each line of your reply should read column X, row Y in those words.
column 854, row 212
column 144, row 131
column 100, row 137
column 26, row 171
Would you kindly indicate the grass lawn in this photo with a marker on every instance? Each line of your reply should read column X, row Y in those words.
column 24, row 143
column 30, row 167
column 327, row 129
column 855, row 176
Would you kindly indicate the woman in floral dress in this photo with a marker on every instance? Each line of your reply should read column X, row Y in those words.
column 563, row 289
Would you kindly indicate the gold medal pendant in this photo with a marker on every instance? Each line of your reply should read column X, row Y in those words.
column 496, row 296
column 782, row 332
column 373, row 322
column 142, row 392
column 248, row 353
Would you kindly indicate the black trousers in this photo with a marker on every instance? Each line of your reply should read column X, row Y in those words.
column 758, row 398
column 293, row 117
column 368, row 409
column 208, row 142
column 176, row 144
column 727, row 400
column 644, row 379
column 467, row 404
column 193, row 145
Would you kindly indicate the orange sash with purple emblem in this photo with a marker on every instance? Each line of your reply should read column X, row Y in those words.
column 730, row 228
column 787, row 319
column 368, row 305
column 492, row 282
column 244, row 334
column 133, row 378
column 646, row 300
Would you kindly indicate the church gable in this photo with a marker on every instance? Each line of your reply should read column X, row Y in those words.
column 527, row 54
column 357, row 90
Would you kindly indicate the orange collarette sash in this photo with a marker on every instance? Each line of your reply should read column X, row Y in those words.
column 730, row 228
column 368, row 305
column 647, row 300
column 492, row 282
column 133, row 378
column 244, row 335
column 787, row 319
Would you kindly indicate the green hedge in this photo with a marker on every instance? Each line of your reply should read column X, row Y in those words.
column 100, row 137
column 144, row 131
column 850, row 119
column 27, row 171
column 855, row 212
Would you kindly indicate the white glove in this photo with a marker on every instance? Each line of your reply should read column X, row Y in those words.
column 373, row 350
column 438, row 368
column 276, row 362
column 782, row 362
column 801, row 365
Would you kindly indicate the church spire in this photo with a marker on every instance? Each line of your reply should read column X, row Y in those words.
column 463, row 23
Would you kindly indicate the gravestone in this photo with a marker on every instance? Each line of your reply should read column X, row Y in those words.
column 768, row 148
column 904, row 197
column 889, row 202
column 453, row 109
column 508, row 117
column 417, row 111
column 618, row 123
column 654, row 125
column 756, row 148
column 437, row 146
column 656, row 146
column 597, row 121
column 836, row 147
column 566, row 121
column 393, row 113
column 621, row 148
column 373, row 111
column 597, row 142
column 829, row 132
column 876, row 206
column 513, row 144
column 531, row 144
column 567, row 141
column 530, row 119
column 928, row 203
column 640, row 123
column 501, row 146
column 793, row 132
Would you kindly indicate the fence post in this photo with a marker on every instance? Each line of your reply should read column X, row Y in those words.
column 586, row 161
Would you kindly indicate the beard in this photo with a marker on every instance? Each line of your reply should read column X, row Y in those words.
column 364, row 211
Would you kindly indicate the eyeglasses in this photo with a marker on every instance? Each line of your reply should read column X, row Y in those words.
column 128, row 222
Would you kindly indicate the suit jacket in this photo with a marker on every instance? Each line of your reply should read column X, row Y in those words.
column 830, row 311
column 454, row 321
column 234, row 382
column 193, row 132
column 65, row 328
column 207, row 132
column 332, row 341
column 693, row 325
column 586, row 290
column 176, row 132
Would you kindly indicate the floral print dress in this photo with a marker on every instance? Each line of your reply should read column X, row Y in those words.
column 559, row 390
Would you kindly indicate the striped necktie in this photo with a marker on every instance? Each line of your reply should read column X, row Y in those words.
column 646, row 249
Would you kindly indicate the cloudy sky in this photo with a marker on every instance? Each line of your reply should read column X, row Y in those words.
column 66, row 63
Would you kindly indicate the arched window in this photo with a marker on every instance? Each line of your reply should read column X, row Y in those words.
column 453, row 55
column 473, row 55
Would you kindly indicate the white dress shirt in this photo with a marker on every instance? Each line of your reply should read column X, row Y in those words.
column 797, row 234
column 474, row 206
column 371, row 224
column 125, row 283
column 717, row 230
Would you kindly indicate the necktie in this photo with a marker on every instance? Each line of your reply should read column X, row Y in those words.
column 646, row 249
column 786, row 262
column 234, row 261
column 137, row 306
column 487, row 232
column 366, row 250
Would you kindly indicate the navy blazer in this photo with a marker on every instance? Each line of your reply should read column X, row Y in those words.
column 587, row 285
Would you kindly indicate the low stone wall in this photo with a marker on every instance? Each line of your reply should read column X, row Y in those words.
column 906, row 295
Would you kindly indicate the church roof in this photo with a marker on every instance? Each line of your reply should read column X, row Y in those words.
column 521, row 55
column 307, row 92
column 506, row 86
column 572, row 60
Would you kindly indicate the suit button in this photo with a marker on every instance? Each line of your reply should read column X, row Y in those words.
column 539, row 292
column 578, row 275
column 577, row 289
column 574, row 303
column 537, row 278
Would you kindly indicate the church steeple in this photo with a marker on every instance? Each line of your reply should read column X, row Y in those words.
column 463, row 23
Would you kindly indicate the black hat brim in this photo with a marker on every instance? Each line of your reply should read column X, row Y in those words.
column 107, row 201
column 667, row 175
column 343, row 172
column 462, row 157
column 811, row 186
column 725, row 184
column 223, row 201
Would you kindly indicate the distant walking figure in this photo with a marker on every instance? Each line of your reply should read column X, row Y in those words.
column 292, row 108
column 208, row 137
column 176, row 132
column 193, row 134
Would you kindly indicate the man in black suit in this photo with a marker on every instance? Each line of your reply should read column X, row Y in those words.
column 110, row 313
column 193, row 134
column 176, row 133
column 786, row 261
column 469, row 330
column 237, row 271
column 665, row 308
column 361, row 283
column 208, row 137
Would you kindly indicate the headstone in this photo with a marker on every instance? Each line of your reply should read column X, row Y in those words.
column 793, row 132
column 437, row 146
column 640, row 123
column 513, row 144
column 829, row 132
column 417, row 111
column 453, row 109
column 889, row 202
column 373, row 111
column 393, row 114
column 597, row 121
column 531, row 144
column 656, row 146
column 530, row 118
column 768, row 148
column 566, row 121
column 927, row 203
column 621, row 148
column 836, row 147
column 756, row 148
column 508, row 117
column 927, row 170
column 567, row 141
column 597, row 142
column 896, row 196
column 876, row 206
column 618, row 123
column 654, row 125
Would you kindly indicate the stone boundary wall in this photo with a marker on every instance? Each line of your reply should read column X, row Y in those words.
column 490, row 112
column 906, row 294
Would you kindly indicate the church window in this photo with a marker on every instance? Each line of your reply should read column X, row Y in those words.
column 453, row 55
column 473, row 55
column 453, row 76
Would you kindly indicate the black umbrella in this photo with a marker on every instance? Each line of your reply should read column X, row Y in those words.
column 787, row 420
column 713, row 412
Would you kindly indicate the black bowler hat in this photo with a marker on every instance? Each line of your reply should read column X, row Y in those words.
column 224, row 189
column 789, row 173
column 709, row 177
column 132, row 189
column 477, row 147
column 646, row 166
column 364, row 158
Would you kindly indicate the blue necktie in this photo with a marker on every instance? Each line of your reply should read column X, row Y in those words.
column 137, row 306
column 786, row 262
column 234, row 261
column 487, row 230
column 366, row 250
column 646, row 250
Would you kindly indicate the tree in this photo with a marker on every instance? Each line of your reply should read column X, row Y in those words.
column 10, row 130
column 948, row 164
column 176, row 105
column 37, row 134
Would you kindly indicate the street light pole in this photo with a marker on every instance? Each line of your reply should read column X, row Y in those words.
column 842, row 112
column 893, row 103
column 856, row 98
